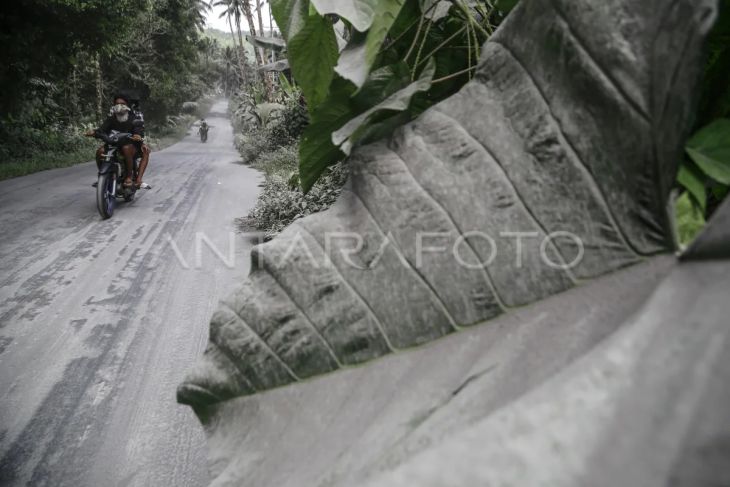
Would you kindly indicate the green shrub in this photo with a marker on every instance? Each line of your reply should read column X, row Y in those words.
column 26, row 149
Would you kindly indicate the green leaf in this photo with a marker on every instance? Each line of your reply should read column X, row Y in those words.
column 316, row 150
column 360, row 13
column 689, row 221
column 312, row 56
column 506, row 5
column 382, row 83
column 358, row 57
column 709, row 148
column 290, row 15
column 378, row 128
column 691, row 179
column 284, row 83
column 347, row 136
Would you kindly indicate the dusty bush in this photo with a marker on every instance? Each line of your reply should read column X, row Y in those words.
column 252, row 145
column 282, row 161
column 280, row 202
column 288, row 125
column 270, row 143
column 190, row 108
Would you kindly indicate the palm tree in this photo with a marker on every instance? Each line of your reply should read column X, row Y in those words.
column 229, row 61
column 233, row 13
column 198, row 11
column 235, row 9
column 209, row 47
column 259, row 4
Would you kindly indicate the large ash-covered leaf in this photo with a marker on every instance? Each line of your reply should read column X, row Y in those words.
column 552, row 166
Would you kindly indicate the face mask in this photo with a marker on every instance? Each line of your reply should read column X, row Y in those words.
column 121, row 112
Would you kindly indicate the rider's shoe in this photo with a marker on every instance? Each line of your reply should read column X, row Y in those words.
column 95, row 184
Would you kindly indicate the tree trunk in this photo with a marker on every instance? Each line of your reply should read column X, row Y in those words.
column 260, row 17
column 99, row 88
column 238, row 52
column 258, row 53
column 260, row 59
column 264, row 58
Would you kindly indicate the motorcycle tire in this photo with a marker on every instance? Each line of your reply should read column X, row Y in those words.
column 105, row 200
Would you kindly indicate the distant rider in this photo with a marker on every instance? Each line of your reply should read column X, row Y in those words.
column 203, row 130
column 122, row 118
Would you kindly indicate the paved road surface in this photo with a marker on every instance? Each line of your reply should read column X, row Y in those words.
column 100, row 320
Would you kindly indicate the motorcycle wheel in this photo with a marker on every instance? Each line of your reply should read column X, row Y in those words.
column 105, row 200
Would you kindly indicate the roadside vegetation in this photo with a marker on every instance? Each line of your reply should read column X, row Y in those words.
column 704, row 175
column 368, row 66
column 267, row 137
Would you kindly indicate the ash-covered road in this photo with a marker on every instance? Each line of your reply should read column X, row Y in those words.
column 100, row 320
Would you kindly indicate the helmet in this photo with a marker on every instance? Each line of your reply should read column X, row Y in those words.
column 130, row 97
column 121, row 95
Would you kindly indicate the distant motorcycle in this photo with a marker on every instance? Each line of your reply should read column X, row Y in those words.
column 203, row 131
column 113, row 172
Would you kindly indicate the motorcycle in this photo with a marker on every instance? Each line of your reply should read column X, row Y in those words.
column 113, row 172
column 203, row 131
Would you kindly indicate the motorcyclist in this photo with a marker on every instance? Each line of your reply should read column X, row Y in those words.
column 122, row 118
column 203, row 130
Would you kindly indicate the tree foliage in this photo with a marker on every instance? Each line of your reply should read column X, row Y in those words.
column 368, row 66
column 705, row 171
column 64, row 59
column 73, row 53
